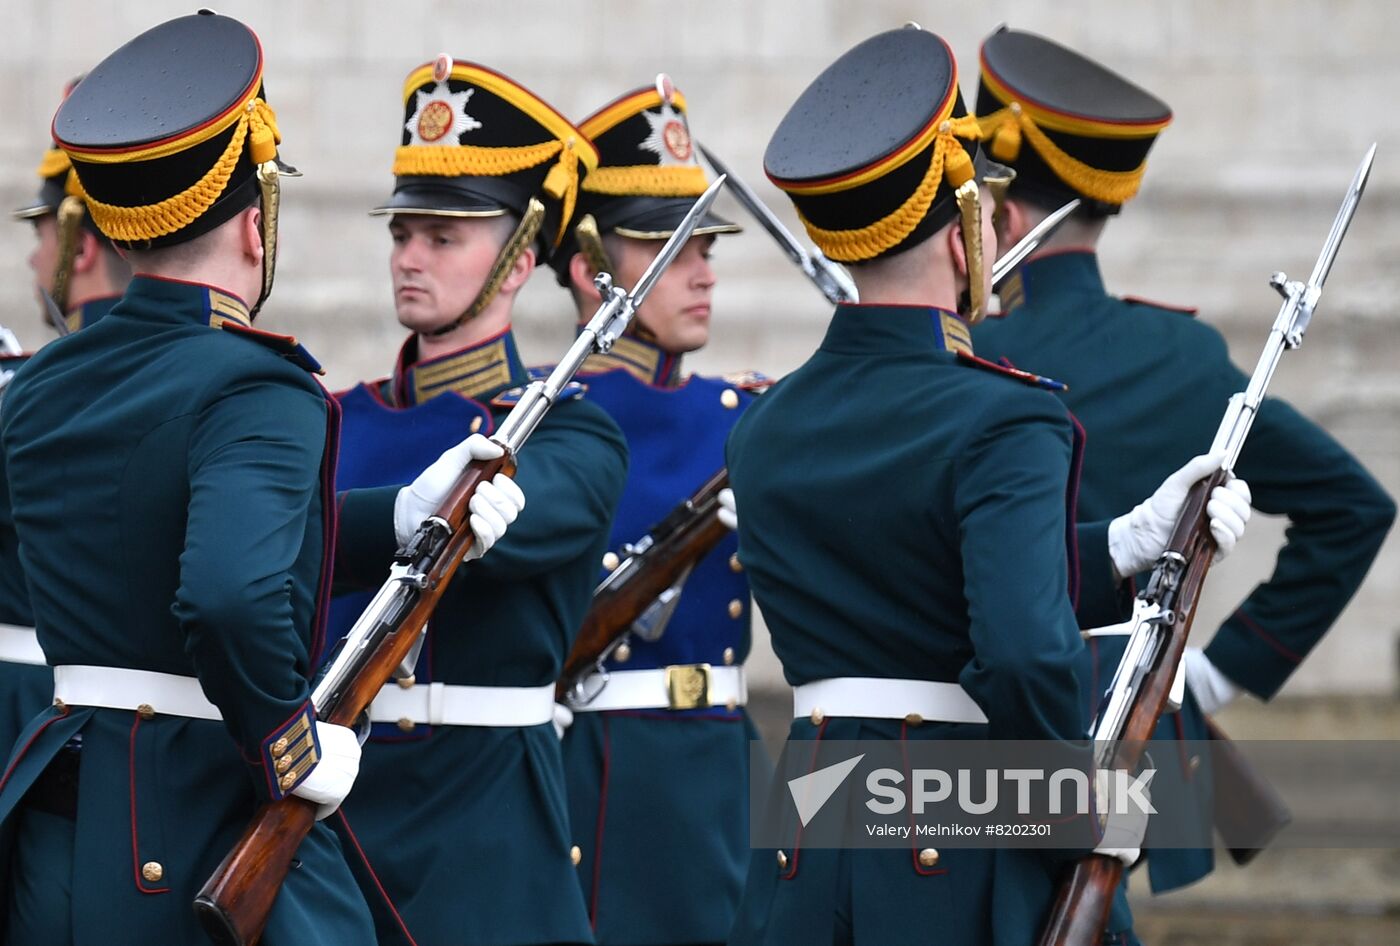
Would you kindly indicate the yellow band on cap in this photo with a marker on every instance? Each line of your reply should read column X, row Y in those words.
column 561, row 183
column 950, row 162
column 54, row 163
column 1004, row 130
column 1070, row 124
column 256, row 124
column 624, row 108
column 647, row 180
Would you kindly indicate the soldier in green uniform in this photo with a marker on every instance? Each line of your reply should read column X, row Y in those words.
column 1150, row 383
column 649, row 771
column 82, row 272
column 459, row 822
column 903, row 506
column 171, row 479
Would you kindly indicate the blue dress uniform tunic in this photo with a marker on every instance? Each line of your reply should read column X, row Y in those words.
column 658, row 798
column 461, row 833
column 191, row 459
column 903, row 514
column 1150, row 385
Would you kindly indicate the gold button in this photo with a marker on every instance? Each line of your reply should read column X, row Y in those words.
column 476, row 424
column 928, row 857
column 913, row 719
column 731, row 704
column 623, row 653
column 611, row 561
column 817, row 716
column 407, row 682
column 736, row 608
column 734, row 564
column 945, row 128
column 288, row 781
column 1015, row 108
column 405, row 724
column 280, row 746
column 575, row 855
column 782, row 861
column 284, row 763
column 1193, row 763
column 59, row 705
column 729, row 656
column 146, row 711
column 152, row 871
column 729, row 398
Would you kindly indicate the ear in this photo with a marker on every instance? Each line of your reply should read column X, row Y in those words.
column 957, row 250
column 250, row 234
column 581, row 276
column 86, row 252
column 520, row 271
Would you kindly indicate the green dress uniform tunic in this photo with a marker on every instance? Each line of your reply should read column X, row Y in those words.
column 25, row 688
column 461, row 833
column 1150, row 385
column 903, row 514
column 168, row 491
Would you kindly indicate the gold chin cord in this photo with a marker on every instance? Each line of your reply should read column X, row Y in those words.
column 270, row 186
column 70, row 219
column 524, row 235
column 590, row 244
column 970, row 208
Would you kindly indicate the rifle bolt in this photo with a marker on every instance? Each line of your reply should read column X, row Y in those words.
column 611, row 561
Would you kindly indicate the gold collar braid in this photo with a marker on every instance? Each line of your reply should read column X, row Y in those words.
column 256, row 124
column 1005, row 128
column 950, row 161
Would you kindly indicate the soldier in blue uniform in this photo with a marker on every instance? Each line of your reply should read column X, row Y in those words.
column 903, row 506
column 1150, row 383
column 649, row 771
column 458, row 821
column 170, row 471
column 80, row 265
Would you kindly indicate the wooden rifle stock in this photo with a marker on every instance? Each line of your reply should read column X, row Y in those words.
column 1085, row 894
column 234, row 903
column 687, row 534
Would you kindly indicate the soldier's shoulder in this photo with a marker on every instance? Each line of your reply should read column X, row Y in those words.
column 1010, row 373
column 285, row 347
column 1142, row 302
column 750, row 382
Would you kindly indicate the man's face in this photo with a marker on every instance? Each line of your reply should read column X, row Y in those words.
column 438, row 265
column 677, row 311
column 44, row 257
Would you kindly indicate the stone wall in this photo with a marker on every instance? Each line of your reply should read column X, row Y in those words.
column 1275, row 102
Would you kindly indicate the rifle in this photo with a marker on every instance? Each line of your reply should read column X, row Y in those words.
column 639, row 595
column 1149, row 679
column 234, row 902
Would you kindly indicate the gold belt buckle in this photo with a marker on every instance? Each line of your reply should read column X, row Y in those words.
column 688, row 686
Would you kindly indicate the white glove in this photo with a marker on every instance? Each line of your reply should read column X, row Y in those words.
column 492, row 509
column 563, row 719
column 331, row 778
column 1214, row 691
column 1137, row 540
column 728, row 513
column 1123, row 830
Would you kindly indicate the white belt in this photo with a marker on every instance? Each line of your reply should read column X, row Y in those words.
column 684, row 686
column 878, row 698
column 18, row 645
column 438, row 704
column 145, row 691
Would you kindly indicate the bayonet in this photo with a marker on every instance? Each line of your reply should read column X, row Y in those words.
column 1006, row 263
column 831, row 278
